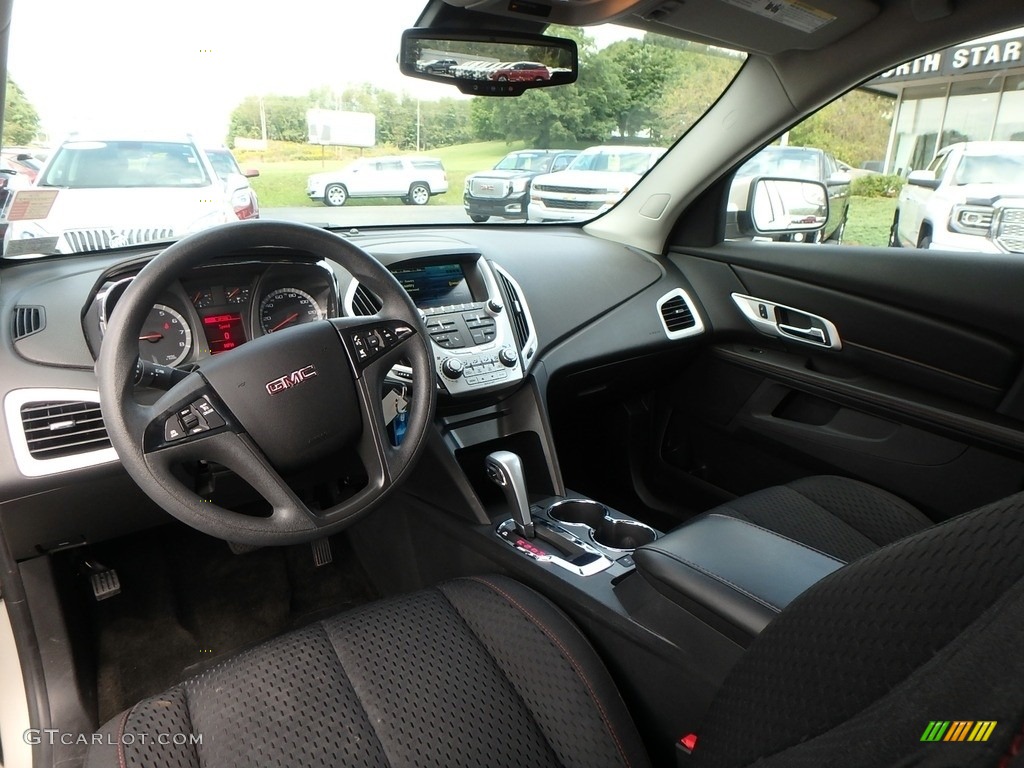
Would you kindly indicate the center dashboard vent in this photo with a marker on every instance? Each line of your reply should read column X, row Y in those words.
column 516, row 310
column 679, row 317
column 28, row 320
column 365, row 302
column 63, row 428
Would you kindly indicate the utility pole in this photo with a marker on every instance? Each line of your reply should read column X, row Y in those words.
column 417, row 125
column 263, row 122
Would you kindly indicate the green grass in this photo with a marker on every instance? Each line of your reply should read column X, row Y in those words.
column 282, row 182
column 869, row 222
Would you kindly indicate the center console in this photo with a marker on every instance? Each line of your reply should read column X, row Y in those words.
column 480, row 327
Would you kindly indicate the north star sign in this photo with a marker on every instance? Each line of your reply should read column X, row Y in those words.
column 963, row 59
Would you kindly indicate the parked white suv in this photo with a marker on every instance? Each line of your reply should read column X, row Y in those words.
column 110, row 193
column 413, row 179
column 970, row 198
column 594, row 182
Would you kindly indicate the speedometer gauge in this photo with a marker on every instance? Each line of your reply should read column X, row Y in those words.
column 165, row 338
column 286, row 307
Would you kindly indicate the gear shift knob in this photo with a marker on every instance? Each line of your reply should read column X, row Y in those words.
column 505, row 470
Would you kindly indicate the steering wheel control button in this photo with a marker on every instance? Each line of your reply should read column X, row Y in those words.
column 367, row 343
column 200, row 416
column 208, row 414
column 189, row 419
column 452, row 368
column 173, row 430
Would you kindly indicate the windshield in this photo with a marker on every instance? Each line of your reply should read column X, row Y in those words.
column 111, row 164
column 614, row 160
column 524, row 161
column 991, row 169
column 327, row 129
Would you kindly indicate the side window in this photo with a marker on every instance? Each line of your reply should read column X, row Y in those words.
column 935, row 152
column 561, row 163
column 939, row 165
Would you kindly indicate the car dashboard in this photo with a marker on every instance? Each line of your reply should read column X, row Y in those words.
column 506, row 311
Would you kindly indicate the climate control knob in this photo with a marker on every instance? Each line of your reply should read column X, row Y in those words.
column 494, row 307
column 508, row 357
column 451, row 368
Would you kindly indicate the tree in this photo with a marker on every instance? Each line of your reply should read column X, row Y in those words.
column 584, row 112
column 646, row 69
column 286, row 118
column 21, row 121
column 854, row 128
column 701, row 77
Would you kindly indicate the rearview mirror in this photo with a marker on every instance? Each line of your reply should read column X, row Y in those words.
column 484, row 63
column 779, row 206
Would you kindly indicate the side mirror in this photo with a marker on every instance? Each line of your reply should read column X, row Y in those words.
column 783, row 206
column 250, row 173
column 839, row 179
column 924, row 179
column 488, row 63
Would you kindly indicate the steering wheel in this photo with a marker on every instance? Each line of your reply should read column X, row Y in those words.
column 275, row 404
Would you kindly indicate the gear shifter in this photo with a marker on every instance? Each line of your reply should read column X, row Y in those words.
column 505, row 470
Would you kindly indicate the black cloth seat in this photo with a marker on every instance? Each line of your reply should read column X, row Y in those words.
column 843, row 518
column 484, row 672
column 475, row 672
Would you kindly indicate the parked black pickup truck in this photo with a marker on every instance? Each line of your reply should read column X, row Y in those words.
column 504, row 190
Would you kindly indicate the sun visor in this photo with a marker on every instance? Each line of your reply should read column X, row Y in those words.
column 758, row 26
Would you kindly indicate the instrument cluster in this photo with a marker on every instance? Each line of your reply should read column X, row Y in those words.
column 216, row 308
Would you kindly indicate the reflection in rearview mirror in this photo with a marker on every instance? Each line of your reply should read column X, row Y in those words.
column 788, row 205
column 489, row 64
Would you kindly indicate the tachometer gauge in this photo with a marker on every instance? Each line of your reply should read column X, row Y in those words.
column 286, row 307
column 165, row 338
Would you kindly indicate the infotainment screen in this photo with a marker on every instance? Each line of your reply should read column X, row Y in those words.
column 435, row 285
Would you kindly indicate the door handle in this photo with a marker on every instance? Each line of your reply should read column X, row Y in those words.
column 768, row 317
column 804, row 334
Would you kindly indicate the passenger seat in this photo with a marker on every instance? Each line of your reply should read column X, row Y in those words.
column 835, row 515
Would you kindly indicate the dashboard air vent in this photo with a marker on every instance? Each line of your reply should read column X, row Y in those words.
column 63, row 428
column 520, row 323
column 28, row 320
column 676, row 314
column 679, row 317
column 364, row 302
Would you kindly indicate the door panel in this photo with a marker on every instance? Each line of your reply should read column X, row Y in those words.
column 905, row 345
column 922, row 397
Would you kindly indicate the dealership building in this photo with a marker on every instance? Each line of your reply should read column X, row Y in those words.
column 971, row 92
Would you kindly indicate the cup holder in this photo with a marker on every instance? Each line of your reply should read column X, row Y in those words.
column 609, row 532
column 579, row 511
column 623, row 534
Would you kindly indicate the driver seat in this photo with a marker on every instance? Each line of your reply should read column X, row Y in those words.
column 485, row 672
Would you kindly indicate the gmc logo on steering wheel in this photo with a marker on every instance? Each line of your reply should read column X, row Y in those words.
column 290, row 380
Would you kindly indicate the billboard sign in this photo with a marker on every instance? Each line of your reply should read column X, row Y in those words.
column 344, row 129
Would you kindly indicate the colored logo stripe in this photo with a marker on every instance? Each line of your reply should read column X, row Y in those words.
column 982, row 730
column 958, row 730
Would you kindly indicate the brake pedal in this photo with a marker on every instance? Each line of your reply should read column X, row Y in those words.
column 104, row 581
column 322, row 554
